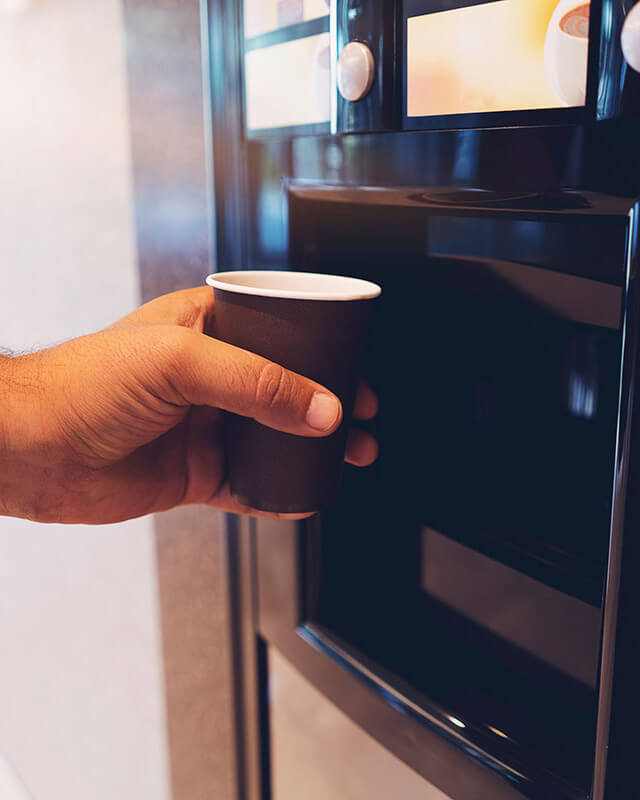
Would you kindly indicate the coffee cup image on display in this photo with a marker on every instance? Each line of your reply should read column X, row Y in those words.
column 566, row 51
column 502, row 55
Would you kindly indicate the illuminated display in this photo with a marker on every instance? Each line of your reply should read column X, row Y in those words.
column 504, row 55
column 261, row 16
column 288, row 84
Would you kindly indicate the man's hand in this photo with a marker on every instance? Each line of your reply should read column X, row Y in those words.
column 128, row 421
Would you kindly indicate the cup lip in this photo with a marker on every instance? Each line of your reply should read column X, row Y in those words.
column 351, row 289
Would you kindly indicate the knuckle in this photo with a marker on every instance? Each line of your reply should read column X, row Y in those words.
column 164, row 365
column 189, row 313
column 272, row 387
column 171, row 348
column 178, row 339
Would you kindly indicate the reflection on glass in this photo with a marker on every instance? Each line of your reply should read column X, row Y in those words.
column 497, row 732
column 261, row 16
column 288, row 84
column 582, row 398
column 582, row 374
column 515, row 54
column 318, row 753
column 269, row 216
column 481, row 590
column 556, row 628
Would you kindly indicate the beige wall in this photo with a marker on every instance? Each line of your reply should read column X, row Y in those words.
column 81, row 687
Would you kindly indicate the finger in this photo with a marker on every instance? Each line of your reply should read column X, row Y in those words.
column 204, row 470
column 366, row 404
column 225, row 502
column 189, row 308
column 362, row 448
column 205, row 463
column 206, row 371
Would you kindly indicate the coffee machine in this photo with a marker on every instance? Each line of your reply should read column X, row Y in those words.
column 470, row 601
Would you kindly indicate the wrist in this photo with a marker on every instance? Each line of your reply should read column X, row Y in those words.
column 5, row 427
column 20, row 423
column 5, row 380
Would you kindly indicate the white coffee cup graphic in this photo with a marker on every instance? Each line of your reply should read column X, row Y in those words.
column 566, row 50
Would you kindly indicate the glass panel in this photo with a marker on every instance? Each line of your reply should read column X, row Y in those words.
column 288, row 84
column 469, row 560
column 261, row 16
column 318, row 753
column 498, row 56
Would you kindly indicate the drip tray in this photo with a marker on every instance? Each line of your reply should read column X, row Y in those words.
column 547, row 201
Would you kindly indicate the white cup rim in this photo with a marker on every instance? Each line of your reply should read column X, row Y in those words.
column 293, row 285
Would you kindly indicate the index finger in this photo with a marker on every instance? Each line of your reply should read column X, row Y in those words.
column 200, row 370
column 366, row 403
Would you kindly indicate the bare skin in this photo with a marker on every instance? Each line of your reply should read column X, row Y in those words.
column 127, row 421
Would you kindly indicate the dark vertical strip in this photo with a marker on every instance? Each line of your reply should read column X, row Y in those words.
column 240, row 558
column 616, row 758
column 229, row 149
column 310, row 568
column 265, row 726
column 234, row 598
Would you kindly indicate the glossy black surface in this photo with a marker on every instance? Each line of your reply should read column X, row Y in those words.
column 506, row 440
column 508, row 322
column 619, row 701
column 536, row 481
column 618, row 86
column 498, row 387
column 496, row 355
column 373, row 22
column 412, row 728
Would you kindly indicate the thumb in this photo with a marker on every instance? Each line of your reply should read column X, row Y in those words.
column 206, row 371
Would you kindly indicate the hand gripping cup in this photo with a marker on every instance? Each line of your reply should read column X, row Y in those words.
column 314, row 325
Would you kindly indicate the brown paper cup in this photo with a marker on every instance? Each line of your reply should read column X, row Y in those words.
column 312, row 324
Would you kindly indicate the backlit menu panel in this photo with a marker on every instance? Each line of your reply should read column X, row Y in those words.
column 288, row 84
column 287, row 73
column 262, row 16
column 502, row 55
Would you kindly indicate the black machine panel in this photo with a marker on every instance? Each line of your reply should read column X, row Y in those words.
column 470, row 560
column 474, row 594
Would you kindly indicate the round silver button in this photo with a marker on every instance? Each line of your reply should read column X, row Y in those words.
column 630, row 38
column 356, row 70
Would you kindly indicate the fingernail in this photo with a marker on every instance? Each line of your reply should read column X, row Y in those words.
column 323, row 411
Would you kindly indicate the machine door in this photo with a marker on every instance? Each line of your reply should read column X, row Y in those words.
column 451, row 601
